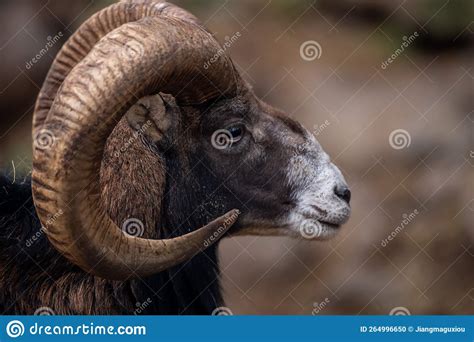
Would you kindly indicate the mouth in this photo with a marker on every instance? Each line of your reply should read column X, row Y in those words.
column 313, row 225
column 330, row 224
column 315, row 229
column 299, row 224
column 335, row 224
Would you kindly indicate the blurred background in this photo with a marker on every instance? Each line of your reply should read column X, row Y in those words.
column 387, row 89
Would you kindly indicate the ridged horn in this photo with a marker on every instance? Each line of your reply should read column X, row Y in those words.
column 87, row 35
column 146, row 56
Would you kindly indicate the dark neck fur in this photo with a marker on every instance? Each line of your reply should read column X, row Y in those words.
column 34, row 275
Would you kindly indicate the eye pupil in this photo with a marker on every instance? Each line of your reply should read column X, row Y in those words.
column 235, row 131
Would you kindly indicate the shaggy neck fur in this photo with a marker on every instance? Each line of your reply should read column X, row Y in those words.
column 33, row 274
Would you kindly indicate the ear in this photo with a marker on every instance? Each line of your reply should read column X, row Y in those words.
column 156, row 117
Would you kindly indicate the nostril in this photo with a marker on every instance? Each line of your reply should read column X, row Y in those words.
column 343, row 193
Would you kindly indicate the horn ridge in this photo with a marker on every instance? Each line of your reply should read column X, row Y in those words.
column 90, row 101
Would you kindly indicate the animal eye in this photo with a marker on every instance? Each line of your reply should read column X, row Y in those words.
column 225, row 138
column 236, row 132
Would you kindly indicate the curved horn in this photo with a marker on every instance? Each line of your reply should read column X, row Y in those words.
column 87, row 35
column 137, row 59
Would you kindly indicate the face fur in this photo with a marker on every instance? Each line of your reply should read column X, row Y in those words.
column 243, row 154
